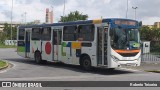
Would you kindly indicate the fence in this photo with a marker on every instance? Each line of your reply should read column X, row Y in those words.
column 10, row 42
column 151, row 52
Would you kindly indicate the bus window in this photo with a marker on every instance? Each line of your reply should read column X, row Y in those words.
column 86, row 32
column 21, row 34
column 36, row 35
column 46, row 34
column 69, row 33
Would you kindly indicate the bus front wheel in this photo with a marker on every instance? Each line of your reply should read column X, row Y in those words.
column 86, row 63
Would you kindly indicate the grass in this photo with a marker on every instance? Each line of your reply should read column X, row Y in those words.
column 7, row 46
column 154, row 71
column 2, row 64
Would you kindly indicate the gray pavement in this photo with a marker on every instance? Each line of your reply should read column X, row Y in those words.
column 27, row 70
column 148, row 66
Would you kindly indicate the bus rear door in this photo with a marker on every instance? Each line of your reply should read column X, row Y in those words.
column 27, row 42
column 57, row 36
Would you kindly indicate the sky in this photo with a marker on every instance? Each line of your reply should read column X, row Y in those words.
column 148, row 10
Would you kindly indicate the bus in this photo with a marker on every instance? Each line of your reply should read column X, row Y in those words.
column 107, row 43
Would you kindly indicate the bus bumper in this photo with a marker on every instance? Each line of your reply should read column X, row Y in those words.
column 121, row 63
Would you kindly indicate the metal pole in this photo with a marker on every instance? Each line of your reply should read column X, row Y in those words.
column 127, row 10
column 135, row 11
column 25, row 13
column 64, row 8
column 11, row 19
column 52, row 19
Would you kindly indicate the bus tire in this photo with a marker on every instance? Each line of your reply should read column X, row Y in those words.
column 111, row 69
column 86, row 63
column 38, row 57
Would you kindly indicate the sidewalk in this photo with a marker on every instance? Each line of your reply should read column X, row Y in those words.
column 147, row 66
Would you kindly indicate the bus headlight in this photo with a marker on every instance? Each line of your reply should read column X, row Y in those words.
column 114, row 58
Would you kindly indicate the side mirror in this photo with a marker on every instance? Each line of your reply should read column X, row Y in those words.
column 140, row 24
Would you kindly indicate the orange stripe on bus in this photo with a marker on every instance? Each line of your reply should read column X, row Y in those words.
column 127, row 51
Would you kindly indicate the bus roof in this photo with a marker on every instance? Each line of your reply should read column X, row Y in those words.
column 74, row 22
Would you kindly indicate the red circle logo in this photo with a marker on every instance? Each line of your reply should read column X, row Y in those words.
column 48, row 48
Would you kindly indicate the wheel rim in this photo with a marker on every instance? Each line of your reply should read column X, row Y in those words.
column 37, row 57
column 86, row 63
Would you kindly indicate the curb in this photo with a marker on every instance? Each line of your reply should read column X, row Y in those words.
column 5, row 65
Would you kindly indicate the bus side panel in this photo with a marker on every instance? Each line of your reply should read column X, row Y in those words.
column 35, row 46
column 47, row 50
column 65, row 55
column 71, row 52
column 91, row 51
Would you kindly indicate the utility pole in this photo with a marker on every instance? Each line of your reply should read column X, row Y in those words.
column 25, row 13
column 11, row 19
column 135, row 11
column 127, row 10
column 64, row 8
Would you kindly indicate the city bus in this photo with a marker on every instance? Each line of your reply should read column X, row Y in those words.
column 107, row 43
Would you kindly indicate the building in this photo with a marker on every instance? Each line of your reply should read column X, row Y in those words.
column 2, row 23
column 49, row 16
column 157, row 24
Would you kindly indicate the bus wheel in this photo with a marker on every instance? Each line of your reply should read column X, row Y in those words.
column 38, row 58
column 86, row 63
column 111, row 69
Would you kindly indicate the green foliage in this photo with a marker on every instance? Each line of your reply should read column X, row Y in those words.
column 6, row 34
column 2, row 63
column 150, row 34
column 153, row 35
column 73, row 16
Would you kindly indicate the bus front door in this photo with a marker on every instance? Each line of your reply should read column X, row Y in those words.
column 102, row 39
column 57, row 36
column 27, row 43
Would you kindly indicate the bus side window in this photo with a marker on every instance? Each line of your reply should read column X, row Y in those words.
column 69, row 33
column 21, row 34
column 80, row 38
column 36, row 34
column 86, row 32
column 46, row 34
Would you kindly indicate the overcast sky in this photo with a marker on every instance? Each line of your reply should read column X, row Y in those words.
column 148, row 10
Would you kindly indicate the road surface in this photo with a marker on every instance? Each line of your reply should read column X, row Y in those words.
column 25, row 69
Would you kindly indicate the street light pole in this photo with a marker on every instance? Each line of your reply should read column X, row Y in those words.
column 135, row 11
column 64, row 8
column 127, row 10
column 25, row 13
column 11, row 18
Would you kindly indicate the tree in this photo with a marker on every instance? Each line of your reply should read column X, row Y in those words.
column 73, row 16
column 6, row 34
column 150, row 34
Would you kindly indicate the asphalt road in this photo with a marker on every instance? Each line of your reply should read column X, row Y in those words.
column 25, row 69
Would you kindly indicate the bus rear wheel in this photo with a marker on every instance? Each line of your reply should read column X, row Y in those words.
column 86, row 63
column 38, row 57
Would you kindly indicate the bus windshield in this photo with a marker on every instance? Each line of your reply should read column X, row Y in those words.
column 126, row 39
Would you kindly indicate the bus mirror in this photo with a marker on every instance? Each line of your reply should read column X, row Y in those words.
column 140, row 24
